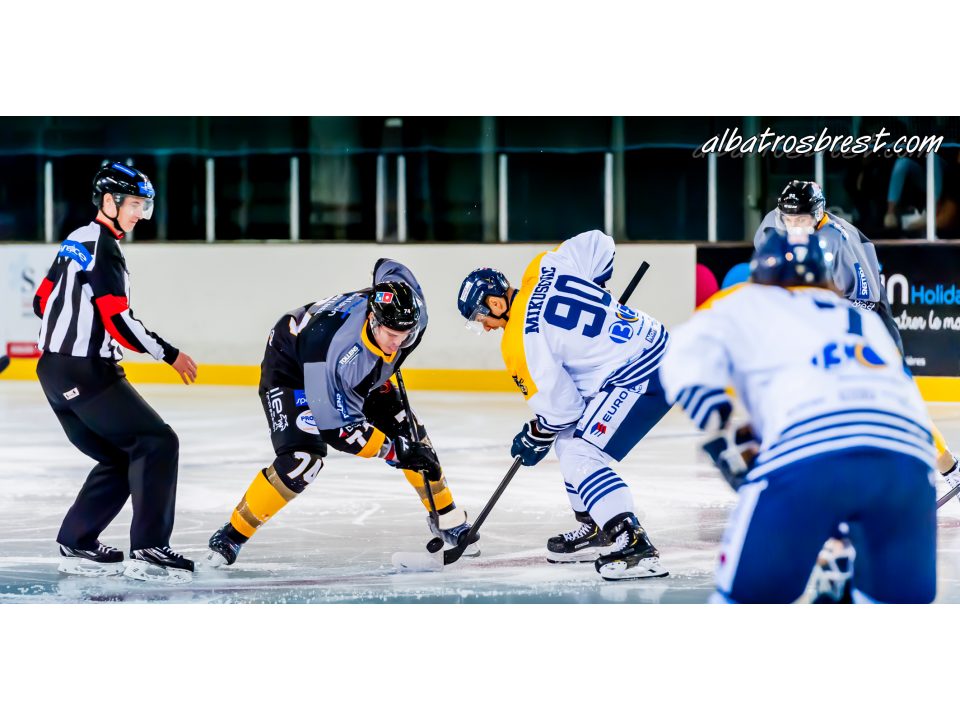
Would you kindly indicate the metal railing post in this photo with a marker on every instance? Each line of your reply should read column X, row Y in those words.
column 211, row 202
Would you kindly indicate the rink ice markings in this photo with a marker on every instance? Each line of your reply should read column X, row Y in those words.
column 315, row 536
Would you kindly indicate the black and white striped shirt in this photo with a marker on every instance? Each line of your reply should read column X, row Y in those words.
column 84, row 301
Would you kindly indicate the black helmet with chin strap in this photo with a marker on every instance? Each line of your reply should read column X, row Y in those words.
column 121, row 181
column 395, row 306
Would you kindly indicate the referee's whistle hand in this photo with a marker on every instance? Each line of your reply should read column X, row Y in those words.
column 186, row 367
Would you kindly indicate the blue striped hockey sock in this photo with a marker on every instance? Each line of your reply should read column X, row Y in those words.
column 574, row 497
column 605, row 495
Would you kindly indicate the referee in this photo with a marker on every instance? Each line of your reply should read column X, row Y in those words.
column 84, row 304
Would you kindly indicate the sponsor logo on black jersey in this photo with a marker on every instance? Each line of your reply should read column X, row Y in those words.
column 306, row 422
column 863, row 288
column 349, row 355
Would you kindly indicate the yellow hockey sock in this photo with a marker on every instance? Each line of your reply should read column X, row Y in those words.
column 266, row 496
column 442, row 496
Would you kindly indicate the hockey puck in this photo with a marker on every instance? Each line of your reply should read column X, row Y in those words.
column 435, row 545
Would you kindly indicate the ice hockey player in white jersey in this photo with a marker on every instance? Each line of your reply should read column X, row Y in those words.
column 838, row 432
column 587, row 366
column 855, row 271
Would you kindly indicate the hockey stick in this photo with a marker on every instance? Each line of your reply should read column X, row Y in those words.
column 634, row 282
column 452, row 555
column 948, row 496
column 435, row 544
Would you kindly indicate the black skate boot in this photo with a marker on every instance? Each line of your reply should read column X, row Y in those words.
column 583, row 544
column 225, row 545
column 633, row 557
column 158, row 564
column 103, row 561
column 451, row 535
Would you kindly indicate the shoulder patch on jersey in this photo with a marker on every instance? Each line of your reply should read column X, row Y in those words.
column 76, row 251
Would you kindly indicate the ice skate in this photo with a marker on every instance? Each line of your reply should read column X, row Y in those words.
column 103, row 561
column 224, row 547
column 952, row 477
column 584, row 544
column 158, row 564
column 634, row 556
column 451, row 535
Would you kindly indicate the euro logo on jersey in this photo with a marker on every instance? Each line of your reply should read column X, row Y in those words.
column 598, row 429
column 384, row 297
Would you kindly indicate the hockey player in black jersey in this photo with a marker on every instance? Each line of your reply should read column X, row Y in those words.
column 326, row 381
column 84, row 304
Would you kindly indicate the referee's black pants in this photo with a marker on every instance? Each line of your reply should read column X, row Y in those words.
column 137, row 453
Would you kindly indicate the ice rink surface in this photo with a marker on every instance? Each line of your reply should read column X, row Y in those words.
column 334, row 543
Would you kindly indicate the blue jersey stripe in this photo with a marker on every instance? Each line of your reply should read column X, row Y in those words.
column 704, row 398
column 854, row 428
column 637, row 373
column 823, row 449
column 925, row 431
column 821, row 446
column 648, row 360
column 722, row 406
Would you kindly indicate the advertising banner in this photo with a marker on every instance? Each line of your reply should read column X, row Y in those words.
column 922, row 282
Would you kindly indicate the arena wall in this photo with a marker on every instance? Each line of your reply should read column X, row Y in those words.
column 217, row 302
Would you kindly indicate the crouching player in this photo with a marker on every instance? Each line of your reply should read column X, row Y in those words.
column 588, row 368
column 326, row 380
column 838, row 432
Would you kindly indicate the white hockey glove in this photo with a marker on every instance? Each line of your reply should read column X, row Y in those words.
column 733, row 452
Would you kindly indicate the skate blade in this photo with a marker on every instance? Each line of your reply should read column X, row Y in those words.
column 87, row 568
column 645, row 569
column 147, row 572
column 214, row 560
column 417, row 562
column 590, row 554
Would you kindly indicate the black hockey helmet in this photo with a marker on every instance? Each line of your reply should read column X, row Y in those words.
column 801, row 198
column 121, row 180
column 791, row 259
column 395, row 306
